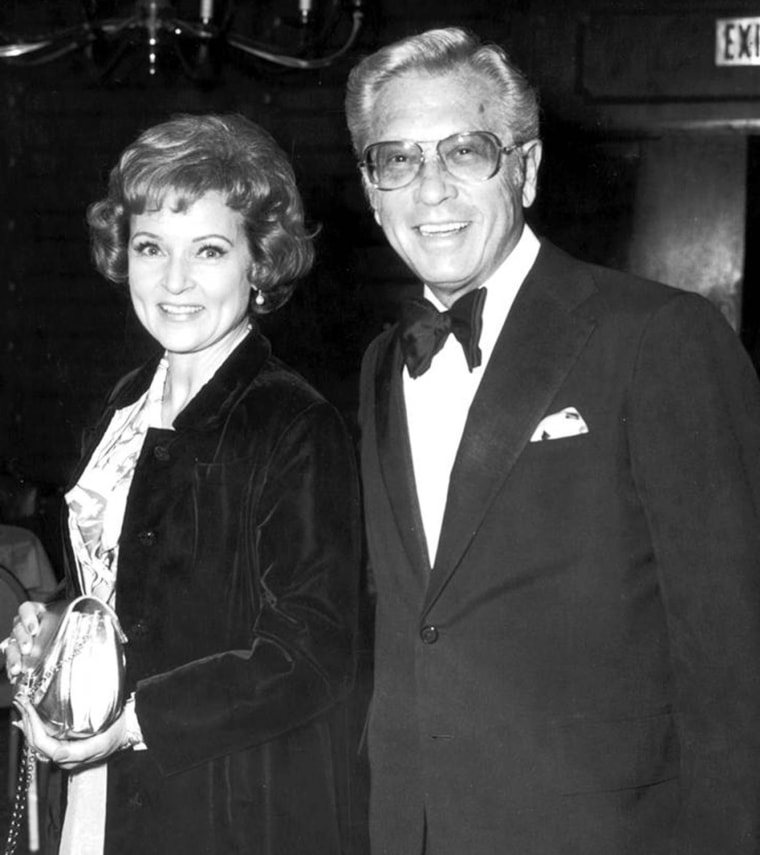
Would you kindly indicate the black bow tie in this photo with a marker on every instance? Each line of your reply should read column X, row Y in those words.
column 424, row 330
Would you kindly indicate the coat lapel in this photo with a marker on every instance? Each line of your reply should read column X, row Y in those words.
column 541, row 340
column 396, row 456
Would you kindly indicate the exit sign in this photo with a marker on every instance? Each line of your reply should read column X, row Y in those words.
column 737, row 41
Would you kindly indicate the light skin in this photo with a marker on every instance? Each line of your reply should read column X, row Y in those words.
column 190, row 288
column 452, row 234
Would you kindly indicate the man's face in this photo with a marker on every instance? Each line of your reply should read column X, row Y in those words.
column 452, row 233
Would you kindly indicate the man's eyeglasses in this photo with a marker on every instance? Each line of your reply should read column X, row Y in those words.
column 473, row 156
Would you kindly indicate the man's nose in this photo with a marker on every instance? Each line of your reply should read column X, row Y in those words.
column 435, row 181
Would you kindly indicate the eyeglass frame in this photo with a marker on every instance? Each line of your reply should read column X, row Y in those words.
column 503, row 150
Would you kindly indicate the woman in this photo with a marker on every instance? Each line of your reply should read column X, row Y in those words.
column 216, row 508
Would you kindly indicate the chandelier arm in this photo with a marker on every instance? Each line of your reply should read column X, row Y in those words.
column 16, row 49
column 114, row 26
column 41, row 52
column 244, row 45
column 332, row 19
column 187, row 28
column 64, row 32
column 50, row 48
column 21, row 49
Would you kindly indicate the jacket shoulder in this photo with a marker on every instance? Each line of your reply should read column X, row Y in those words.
column 618, row 293
column 279, row 400
column 285, row 386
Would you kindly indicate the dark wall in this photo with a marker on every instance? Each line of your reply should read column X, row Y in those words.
column 67, row 334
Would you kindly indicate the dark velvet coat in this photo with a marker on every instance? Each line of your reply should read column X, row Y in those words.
column 579, row 672
column 237, row 588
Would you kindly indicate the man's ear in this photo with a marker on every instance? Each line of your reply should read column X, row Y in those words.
column 371, row 192
column 532, row 153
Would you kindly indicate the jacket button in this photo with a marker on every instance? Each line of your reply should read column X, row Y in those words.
column 429, row 634
column 147, row 538
column 161, row 453
column 135, row 800
column 138, row 630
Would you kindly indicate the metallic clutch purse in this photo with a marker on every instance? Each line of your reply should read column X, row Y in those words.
column 74, row 675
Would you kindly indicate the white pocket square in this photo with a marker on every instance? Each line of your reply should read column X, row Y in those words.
column 567, row 422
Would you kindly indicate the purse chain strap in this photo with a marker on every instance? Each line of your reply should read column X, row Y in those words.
column 47, row 675
column 25, row 774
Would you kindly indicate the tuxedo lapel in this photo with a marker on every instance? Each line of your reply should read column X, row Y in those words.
column 396, row 457
column 541, row 340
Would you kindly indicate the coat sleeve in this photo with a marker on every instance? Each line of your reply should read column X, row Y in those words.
column 695, row 449
column 304, row 545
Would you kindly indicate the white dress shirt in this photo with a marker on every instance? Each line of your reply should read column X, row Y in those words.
column 437, row 402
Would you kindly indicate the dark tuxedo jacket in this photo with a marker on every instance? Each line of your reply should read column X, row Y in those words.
column 579, row 672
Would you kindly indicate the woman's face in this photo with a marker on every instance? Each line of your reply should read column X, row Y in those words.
column 188, row 274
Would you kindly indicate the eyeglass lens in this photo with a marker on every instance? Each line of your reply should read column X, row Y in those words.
column 472, row 156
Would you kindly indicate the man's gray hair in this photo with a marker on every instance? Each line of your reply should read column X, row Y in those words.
column 437, row 52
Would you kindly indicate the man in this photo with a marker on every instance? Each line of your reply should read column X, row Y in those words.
column 562, row 517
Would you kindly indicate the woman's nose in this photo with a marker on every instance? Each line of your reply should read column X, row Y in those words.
column 177, row 275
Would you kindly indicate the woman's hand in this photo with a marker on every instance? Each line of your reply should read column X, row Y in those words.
column 69, row 753
column 26, row 626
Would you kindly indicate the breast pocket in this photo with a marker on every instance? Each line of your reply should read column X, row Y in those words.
column 556, row 475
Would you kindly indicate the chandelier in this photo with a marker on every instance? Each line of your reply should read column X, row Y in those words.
column 319, row 32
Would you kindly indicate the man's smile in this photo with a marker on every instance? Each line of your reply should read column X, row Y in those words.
column 441, row 229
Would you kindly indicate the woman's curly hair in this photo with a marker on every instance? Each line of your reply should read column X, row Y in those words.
column 189, row 156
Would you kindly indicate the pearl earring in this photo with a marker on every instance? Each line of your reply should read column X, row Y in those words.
column 259, row 298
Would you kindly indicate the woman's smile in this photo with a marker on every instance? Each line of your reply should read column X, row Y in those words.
column 179, row 312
